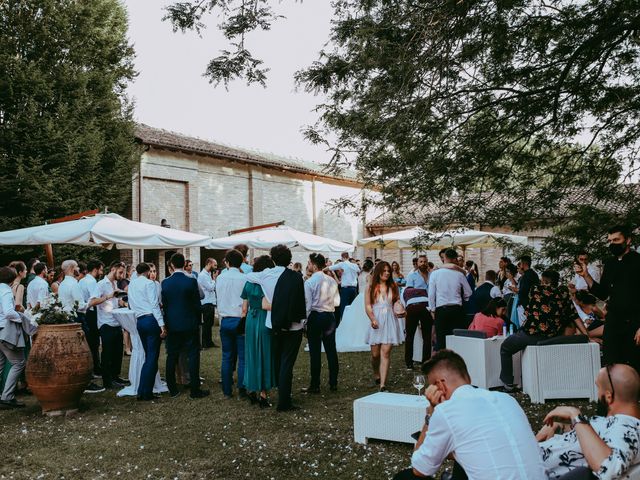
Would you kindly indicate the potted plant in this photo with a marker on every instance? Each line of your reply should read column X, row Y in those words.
column 59, row 365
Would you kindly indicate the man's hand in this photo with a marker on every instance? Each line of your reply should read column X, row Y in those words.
column 637, row 337
column 434, row 396
column 163, row 332
column 561, row 413
column 546, row 432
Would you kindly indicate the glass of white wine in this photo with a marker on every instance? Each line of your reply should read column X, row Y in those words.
column 418, row 384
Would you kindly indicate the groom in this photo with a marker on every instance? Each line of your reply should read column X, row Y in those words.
column 284, row 289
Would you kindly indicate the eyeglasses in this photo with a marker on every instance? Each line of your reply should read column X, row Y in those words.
column 608, row 368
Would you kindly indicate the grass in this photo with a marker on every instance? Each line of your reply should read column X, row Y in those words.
column 212, row 438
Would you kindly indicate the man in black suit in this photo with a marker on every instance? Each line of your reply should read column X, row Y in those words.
column 181, row 304
column 483, row 294
column 284, row 289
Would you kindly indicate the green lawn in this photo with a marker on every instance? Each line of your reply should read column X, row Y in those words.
column 211, row 438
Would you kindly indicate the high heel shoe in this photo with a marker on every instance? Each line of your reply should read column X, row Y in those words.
column 264, row 402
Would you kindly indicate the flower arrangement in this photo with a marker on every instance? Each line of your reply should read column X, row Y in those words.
column 51, row 312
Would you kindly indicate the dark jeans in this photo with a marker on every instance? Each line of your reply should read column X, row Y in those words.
column 178, row 342
column 285, row 351
column 208, row 314
column 150, row 336
column 447, row 319
column 112, row 350
column 93, row 338
column 417, row 314
column 232, row 351
column 321, row 330
column 618, row 343
column 513, row 344
column 347, row 295
column 457, row 473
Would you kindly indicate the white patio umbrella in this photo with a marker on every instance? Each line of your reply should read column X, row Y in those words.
column 270, row 237
column 105, row 229
column 465, row 238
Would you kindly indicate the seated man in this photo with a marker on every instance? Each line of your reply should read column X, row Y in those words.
column 604, row 446
column 486, row 432
column 549, row 312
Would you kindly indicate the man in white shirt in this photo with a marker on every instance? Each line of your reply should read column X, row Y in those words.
column 487, row 433
column 109, row 328
column 145, row 302
column 69, row 292
column 38, row 288
column 448, row 290
column 229, row 287
column 594, row 272
column 348, row 282
column 207, row 286
column 321, row 297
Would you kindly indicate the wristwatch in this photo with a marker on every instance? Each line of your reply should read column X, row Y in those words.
column 427, row 417
column 580, row 418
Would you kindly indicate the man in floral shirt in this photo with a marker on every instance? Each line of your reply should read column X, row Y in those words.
column 549, row 312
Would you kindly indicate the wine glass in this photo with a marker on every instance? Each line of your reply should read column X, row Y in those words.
column 418, row 383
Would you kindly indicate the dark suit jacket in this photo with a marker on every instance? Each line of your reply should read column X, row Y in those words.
column 288, row 301
column 480, row 298
column 181, row 303
column 527, row 282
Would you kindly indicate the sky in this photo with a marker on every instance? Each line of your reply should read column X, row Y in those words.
column 171, row 93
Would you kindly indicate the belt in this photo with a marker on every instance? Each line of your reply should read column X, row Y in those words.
column 145, row 315
column 448, row 306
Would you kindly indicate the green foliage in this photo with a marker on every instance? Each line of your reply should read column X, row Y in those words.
column 53, row 313
column 66, row 124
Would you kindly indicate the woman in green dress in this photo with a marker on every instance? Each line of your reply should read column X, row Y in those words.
column 259, row 371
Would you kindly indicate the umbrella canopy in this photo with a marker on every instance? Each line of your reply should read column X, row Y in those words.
column 403, row 240
column 270, row 237
column 104, row 229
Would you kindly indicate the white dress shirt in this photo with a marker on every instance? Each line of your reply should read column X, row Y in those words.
column 350, row 273
column 37, row 291
column 105, row 309
column 447, row 287
column 7, row 306
column 581, row 283
column 321, row 293
column 89, row 287
column 207, row 287
column 229, row 289
column 143, row 298
column 416, row 280
column 488, row 434
column 267, row 279
column 69, row 293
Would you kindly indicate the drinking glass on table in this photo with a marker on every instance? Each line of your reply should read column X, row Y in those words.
column 418, row 383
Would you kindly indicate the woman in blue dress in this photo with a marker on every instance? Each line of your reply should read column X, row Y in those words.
column 259, row 371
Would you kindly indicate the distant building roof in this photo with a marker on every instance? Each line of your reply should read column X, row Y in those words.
column 166, row 139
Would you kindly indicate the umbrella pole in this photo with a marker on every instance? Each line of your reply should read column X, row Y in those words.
column 48, row 250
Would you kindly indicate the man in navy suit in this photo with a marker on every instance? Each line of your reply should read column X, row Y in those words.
column 181, row 304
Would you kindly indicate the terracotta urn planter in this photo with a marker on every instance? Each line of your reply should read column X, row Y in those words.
column 59, row 367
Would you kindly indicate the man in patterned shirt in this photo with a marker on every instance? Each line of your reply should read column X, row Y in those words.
column 604, row 446
column 549, row 312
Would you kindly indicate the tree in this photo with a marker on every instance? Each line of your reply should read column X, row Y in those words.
column 66, row 129
column 489, row 112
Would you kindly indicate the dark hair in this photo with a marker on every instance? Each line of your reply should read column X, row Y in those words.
column 526, row 259
column 31, row 262
column 177, row 260
column 82, row 267
column 367, row 265
column 431, row 265
column 94, row 264
column 375, row 282
column 18, row 266
column 7, row 275
column 625, row 230
column 209, row 260
column 262, row 263
column 414, row 260
column 553, row 276
column 443, row 251
column 318, row 260
column 506, row 260
column 491, row 275
column 281, row 255
column 188, row 261
column 582, row 252
column 142, row 268
column 450, row 254
column 512, row 269
column 242, row 248
column 449, row 360
column 585, row 297
column 38, row 268
column 117, row 264
column 491, row 310
column 234, row 258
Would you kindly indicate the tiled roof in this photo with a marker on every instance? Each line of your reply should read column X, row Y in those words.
column 161, row 138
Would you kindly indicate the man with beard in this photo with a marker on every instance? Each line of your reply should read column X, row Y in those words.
column 419, row 278
column 604, row 446
column 620, row 286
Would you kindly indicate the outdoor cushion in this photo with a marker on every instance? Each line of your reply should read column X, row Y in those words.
column 460, row 332
column 565, row 340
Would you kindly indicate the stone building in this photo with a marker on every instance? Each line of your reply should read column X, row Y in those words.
column 208, row 188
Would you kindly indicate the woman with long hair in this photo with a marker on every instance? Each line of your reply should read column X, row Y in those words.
column 472, row 273
column 385, row 330
column 365, row 275
column 58, row 277
column 17, row 286
column 491, row 319
column 397, row 275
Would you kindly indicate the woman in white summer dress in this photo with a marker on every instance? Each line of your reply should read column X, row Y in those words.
column 385, row 330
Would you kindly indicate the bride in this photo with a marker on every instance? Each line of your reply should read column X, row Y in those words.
column 351, row 334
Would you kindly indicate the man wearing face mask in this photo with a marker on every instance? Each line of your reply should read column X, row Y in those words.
column 604, row 446
column 620, row 287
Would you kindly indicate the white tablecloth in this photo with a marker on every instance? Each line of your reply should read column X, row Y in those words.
column 127, row 320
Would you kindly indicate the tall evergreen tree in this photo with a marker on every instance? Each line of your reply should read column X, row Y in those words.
column 66, row 129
